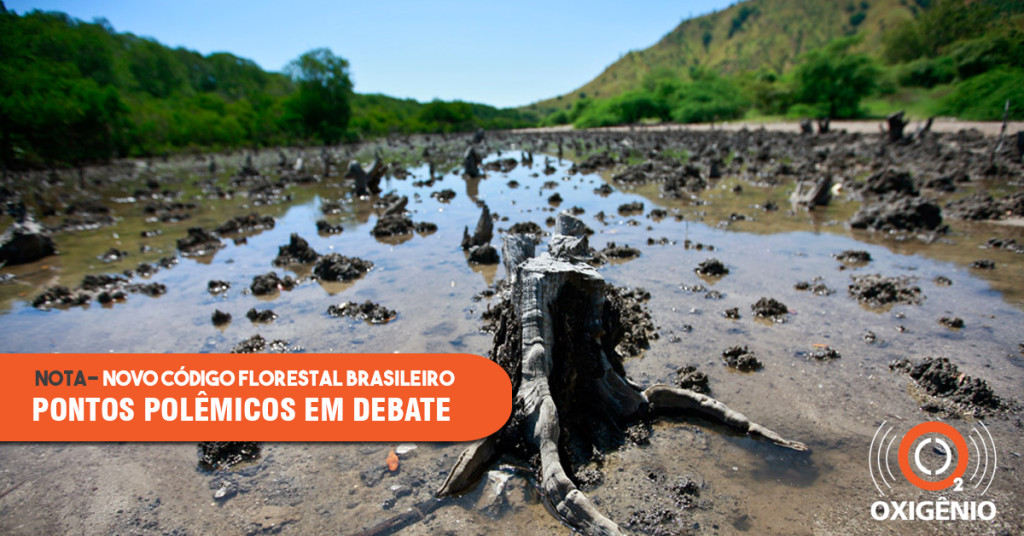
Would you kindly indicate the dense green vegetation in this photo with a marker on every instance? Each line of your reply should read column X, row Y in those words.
column 832, row 80
column 974, row 48
column 701, row 97
column 947, row 57
column 828, row 82
column 766, row 36
column 72, row 91
column 321, row 108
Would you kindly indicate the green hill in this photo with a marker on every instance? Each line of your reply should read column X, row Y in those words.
column 812, row 58
column 748, row 36
column 73, row 91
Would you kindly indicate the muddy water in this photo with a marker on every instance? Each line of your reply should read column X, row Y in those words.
column 747, row 486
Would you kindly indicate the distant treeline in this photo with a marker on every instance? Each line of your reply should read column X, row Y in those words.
column 956, row 58
column 72, row 91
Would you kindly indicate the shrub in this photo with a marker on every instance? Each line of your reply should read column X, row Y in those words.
column 982, row 98
column 709, row 98
column 629, row 107
column 836, row 78
column 976, row 56
column 926, row 72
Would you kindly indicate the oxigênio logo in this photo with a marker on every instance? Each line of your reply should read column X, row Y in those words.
column 933, row 456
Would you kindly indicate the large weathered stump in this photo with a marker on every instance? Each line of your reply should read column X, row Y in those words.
column 556, row 339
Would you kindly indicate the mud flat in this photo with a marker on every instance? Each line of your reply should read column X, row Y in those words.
column 195, row 249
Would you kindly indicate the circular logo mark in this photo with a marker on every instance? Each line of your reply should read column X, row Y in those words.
column 937, row 428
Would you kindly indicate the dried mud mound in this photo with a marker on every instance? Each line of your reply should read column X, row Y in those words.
column 485, row 254
column 816, row 287
column 24, row 242
column 220, row 318
column 690, row 378
column 257, row 344
column 712, row 267
column 504, row 165
column 218, row 455
column 593, row 163
column 246, row 224
column 1008, row 244
column 216, row 286
column 296, row 251
column 615, row 251
column 394, row 220
column 741, row 359
column 528, row 228
column 875, row 290
column 105, row 288
column 821, row 353
column 894, row 213
column 954, row 322
column 337, row 267
column 771, row 309
column 372, row 313
column 954, row 392
column 887, row 181
column 269, row 283
column 676, row 179
column 199, row 242
column 262, row 316
column 445, row 195
column 59, row 295
column 853, row 256
column 981, row 206
column 327, row 228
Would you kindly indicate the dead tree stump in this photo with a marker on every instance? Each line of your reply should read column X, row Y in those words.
column 556, row 339
column 896, row 126
column 823, row 125
column 355, row 171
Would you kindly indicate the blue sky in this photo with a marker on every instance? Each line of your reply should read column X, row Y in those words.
column 499, row 53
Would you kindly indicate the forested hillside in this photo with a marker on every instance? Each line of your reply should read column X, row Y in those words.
column 748, row 36
column 815, row 58
column 73, row 91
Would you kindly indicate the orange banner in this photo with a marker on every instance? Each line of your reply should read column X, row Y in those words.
column 251, row 397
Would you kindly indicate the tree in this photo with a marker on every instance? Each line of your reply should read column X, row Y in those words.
column 708, row 97
column 440, row 116
column 834, row 79
column 322, row 106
